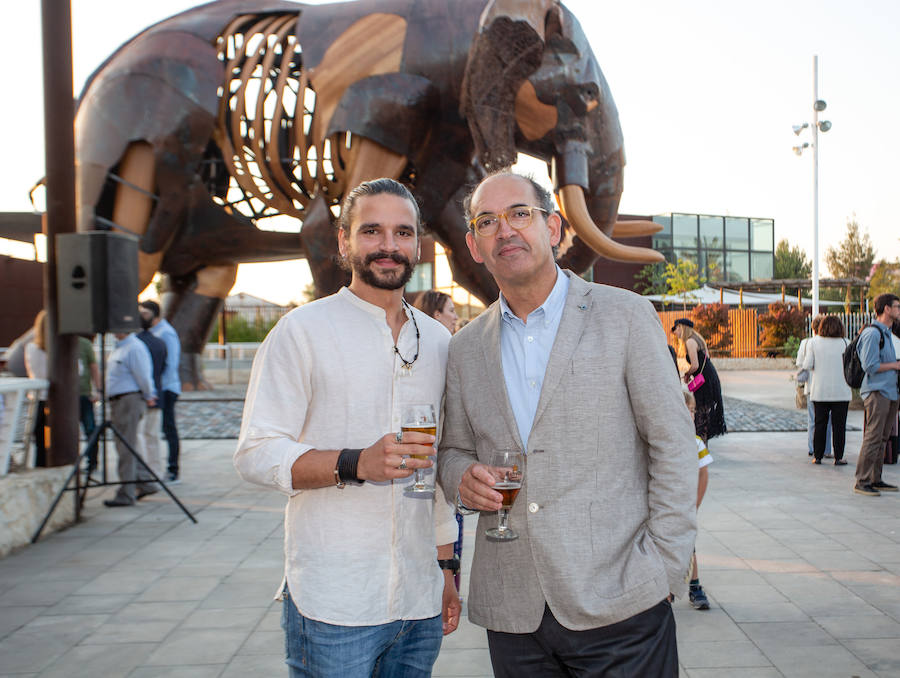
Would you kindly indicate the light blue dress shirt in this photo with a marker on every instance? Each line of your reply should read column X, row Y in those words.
column 525, row 351
column 871, row 357
column 130, row 369
column 170, row 379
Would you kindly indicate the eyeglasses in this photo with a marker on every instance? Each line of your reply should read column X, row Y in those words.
column 517, row 217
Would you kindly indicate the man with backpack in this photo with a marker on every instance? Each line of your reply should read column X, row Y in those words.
column 879, row 393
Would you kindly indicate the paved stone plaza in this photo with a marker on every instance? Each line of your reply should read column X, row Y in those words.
column 799, row 570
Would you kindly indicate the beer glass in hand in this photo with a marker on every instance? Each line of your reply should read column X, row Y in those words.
column 508, row 469
column 418, row 417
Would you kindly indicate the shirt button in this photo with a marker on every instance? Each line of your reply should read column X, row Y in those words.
column 533, row 507
column 530, row 339
column 532, row 383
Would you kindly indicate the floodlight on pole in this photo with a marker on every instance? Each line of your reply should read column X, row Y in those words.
column 817, row 126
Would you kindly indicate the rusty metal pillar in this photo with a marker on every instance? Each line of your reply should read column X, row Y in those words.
column 59, row 161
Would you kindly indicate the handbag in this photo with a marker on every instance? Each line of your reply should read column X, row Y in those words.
column 698, row 379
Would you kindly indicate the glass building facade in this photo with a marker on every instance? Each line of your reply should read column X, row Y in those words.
column 725, row 249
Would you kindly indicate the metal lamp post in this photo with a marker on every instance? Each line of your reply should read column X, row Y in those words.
column 818, row 106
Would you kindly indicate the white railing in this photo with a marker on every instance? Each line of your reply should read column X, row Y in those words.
column 231, row 352
column 853, row 322
column 14, row 391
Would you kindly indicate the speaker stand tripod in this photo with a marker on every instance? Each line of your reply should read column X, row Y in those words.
column 90, row 453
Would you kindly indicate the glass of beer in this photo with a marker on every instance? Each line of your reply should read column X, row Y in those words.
column 419, row 417
column 508, row 469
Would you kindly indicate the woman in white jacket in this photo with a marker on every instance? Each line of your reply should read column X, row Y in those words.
column 827, row 389
column 810, row 412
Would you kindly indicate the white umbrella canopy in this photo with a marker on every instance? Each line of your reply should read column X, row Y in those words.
column 710, row 295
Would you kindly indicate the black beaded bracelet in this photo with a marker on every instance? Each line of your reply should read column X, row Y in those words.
column 348, row 460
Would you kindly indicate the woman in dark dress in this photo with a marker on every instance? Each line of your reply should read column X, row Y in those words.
column 709, row 420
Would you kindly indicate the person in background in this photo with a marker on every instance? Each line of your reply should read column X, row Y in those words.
column 810, row 411
column 696, row 594
column 171, row 385
column 828, row 391
column 36, row 367
column 440, row 307
column 149, row 427
column 130, row 389
column 879, row 393
column 88, row 394
column 709, row 419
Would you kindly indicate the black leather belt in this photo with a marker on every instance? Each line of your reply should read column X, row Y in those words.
column 121, row 395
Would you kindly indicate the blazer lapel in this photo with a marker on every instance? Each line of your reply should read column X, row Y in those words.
column 493, row 370
column 571, row 327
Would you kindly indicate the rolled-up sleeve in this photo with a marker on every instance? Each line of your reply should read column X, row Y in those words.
column 274, row 413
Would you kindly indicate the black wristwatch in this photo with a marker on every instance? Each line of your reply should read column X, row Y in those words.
column 449, row 564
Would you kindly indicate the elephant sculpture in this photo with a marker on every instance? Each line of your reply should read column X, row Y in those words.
column 202, row 127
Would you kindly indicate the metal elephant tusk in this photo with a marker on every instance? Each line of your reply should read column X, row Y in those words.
column 635, row 229
column 574, row 209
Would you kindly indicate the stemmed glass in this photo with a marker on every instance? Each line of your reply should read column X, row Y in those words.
column 508, row 469
column 418, row 417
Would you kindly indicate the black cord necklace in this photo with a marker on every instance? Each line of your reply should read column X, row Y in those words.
column 407, row 364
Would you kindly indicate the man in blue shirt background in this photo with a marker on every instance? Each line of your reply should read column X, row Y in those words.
column 879, row 393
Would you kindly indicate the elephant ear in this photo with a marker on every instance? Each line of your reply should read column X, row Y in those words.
column 508, row 48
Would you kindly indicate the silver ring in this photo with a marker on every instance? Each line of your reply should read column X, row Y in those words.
column 402, row 466
column 399, row 437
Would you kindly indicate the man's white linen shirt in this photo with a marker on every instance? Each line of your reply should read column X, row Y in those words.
column 327, row 377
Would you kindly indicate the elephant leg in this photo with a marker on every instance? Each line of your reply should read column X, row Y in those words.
column 466, row 272
column 368, row 160
column 133, row 203
column 191, row 304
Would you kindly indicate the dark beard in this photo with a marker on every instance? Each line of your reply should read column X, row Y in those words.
column 389, row 281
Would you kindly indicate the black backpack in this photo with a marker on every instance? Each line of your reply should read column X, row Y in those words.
column 853, row 369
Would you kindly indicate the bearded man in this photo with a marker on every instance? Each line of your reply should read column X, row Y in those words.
column 366, row 588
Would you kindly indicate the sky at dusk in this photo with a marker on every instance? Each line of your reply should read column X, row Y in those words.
column 707, row 93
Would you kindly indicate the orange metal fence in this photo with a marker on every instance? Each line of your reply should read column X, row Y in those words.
column 744, row 332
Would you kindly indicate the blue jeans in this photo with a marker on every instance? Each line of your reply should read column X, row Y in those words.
column 811, row 427
column 399, row 649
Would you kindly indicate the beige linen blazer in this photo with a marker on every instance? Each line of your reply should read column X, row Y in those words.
column 606, row 514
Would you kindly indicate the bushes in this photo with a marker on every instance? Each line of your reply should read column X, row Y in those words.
column 711, row 321
column 782, row 322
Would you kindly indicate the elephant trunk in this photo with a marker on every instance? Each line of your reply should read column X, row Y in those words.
column 571, row 179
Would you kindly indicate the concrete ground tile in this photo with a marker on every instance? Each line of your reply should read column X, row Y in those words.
column 871, row 626
column 202, row 569
column 463, row 662
column 704, row 625
column 729, row 578
column 775, row 635
column 755, row 672
column 836, row 607
column 752, row 593
column 828, row 661
column 238, row 595
column 162, row 611
column 15, row 617
column 38, row 592
column 765, row 612
column 467, row 636
column 189, row 646
column 179, row 589
column 44, row 639
column 116, row 632
column 879, row 654
column 238, row 619
column 726, row 654
column 78, row 604
column 830, row 560
column 92, row 661
column 779, row 565
column 256, row 665
column 271, row 620
column 122, row 582
column 205, row 671
column 264, row 642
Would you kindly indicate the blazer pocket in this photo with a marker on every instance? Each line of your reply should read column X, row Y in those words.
column 623, row 561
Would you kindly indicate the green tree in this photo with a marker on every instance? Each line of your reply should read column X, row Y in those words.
column 885, row 278
column 779, row 324
column 791, row 262
column 853, row 256
column 681, row 278
column 651, row 279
